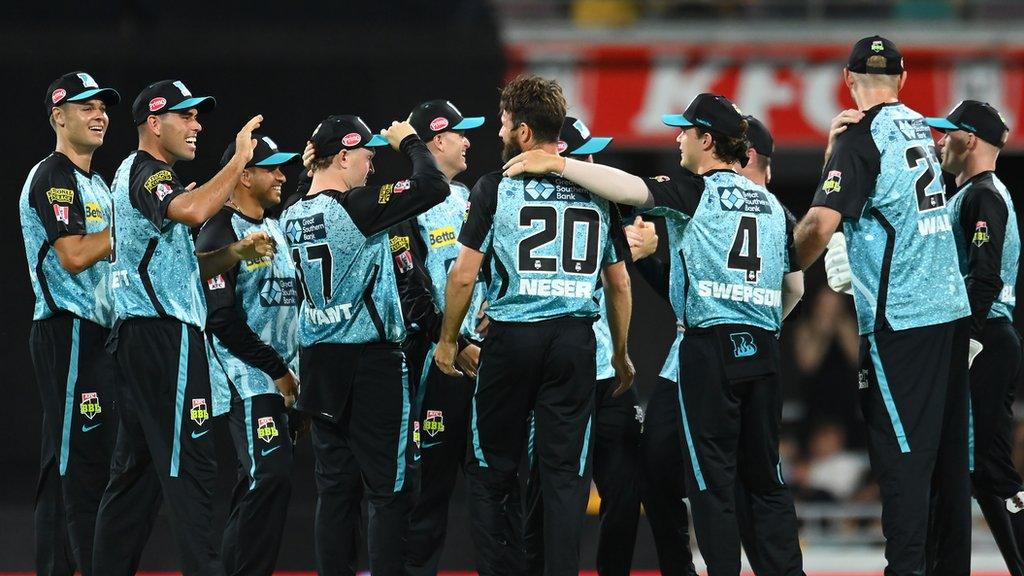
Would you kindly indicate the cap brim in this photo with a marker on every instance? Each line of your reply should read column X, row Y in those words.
column 107, row 95
column 279, row 159
column 377, row 140
column 941, row 124
column 201, row 103
column 675, row 120
column 469, row 123
column 592, row 146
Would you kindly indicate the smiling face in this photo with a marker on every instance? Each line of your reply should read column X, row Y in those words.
column 179, row 132
column 265, row 184
column 83, row 124
column 449, row 149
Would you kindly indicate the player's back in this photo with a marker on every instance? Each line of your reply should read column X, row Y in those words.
column 347, row 277
column 735, row 251
column 901, row 249
column 548, row 238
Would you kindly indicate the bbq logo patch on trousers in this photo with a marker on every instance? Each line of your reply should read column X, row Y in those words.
column 266, row 429
column 90, row 405
column 743, row 345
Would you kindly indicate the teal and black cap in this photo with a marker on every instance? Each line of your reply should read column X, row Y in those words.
column 436, row 116
column 875, row 55
column 978, row 118
column 759, row 138
column 575, row 139
column 343, row 132
column 709, row 112
column 168, row 96
column 265, row 155
column 78, row 87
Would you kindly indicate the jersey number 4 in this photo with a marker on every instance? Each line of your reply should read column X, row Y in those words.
column 743, row 255
column 572, row 219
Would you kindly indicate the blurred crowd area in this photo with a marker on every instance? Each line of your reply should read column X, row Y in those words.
column 632, row 12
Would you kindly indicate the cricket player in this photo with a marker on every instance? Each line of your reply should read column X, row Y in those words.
column 550, row 241
column 988, row 245
column 164, row 447
column 65, row 221
column 617, row 424
column 442, row 403
column 354, row 375
column 251, row 326
column 897, row 254
column 736, row 250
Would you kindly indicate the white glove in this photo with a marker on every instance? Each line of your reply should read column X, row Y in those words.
column 837, row 265
column 974, row 350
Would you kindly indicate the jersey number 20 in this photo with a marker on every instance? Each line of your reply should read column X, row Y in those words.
column 573, row 217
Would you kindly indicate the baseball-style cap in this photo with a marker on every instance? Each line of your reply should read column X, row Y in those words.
column 978, row 118
column 436, row 116
column 168, row 96
column 709, row 112
column 575, row 139
column 78, row 87
column 759, row 137
column 875, row 55
column 265, row 155
column 343, row 132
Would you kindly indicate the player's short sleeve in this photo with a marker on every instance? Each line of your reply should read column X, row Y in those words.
column 849, row 177
column 58, row 202
column 617, row 247
column 152, row 189
column 483, row 201
column 214, row 235
column 681, row 194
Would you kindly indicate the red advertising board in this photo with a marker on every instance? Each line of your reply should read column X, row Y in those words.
column 621, row 90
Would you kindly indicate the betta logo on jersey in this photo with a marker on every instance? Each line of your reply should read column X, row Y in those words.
column 93, row 212
column 736, row 199
column 278, row 292
column 256, row 264
column 351, row 139
column 58, row 95
column 441, row 237
column 743, row 344
column 199, row 412
column 157, row 104
column 266, row 429
column 980, row 233
column 62, row 213
column 217, row 282
column 433, row 424
column 90, row 405
column 439, row 123
column 832, row 183
column 307, row 229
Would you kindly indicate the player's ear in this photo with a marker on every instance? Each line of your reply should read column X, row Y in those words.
column 848, row 78
column 341, row 159
column 903, row 79
column 246, row 178
column 154, row 124
column 58, row 115
column 524, row 133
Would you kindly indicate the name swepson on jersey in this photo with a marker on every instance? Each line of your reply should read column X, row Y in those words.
column 739, row 293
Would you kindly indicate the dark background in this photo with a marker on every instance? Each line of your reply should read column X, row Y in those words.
column 295, row 64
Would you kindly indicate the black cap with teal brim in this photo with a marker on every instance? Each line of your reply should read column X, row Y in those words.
column 437, row 116
column 78, row 87
column 265, row 155
column 575, row 139
column 168, row 96
column 344, row 132
column 978, row 118
column 709, row 112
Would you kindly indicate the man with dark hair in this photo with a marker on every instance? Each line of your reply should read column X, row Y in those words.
column 549, row 241
column 883, row 184
column 988, row 245
column 427, row 244
column 251, row 324
column 355, row 381
column 736, row 250
column 65, row 220
column 618, row 420
column 164, row 446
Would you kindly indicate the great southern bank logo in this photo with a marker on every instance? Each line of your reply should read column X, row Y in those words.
column 537, row 189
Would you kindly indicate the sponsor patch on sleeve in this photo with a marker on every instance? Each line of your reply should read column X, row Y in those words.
column 157, row 178
column 60, row 196
column 384, row 195
column 832, row 182
column 217, row 282
column 62, row 213
column 399, row 243
column 980, row 233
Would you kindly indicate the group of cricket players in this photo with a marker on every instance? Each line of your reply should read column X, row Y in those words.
column 419, row 328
